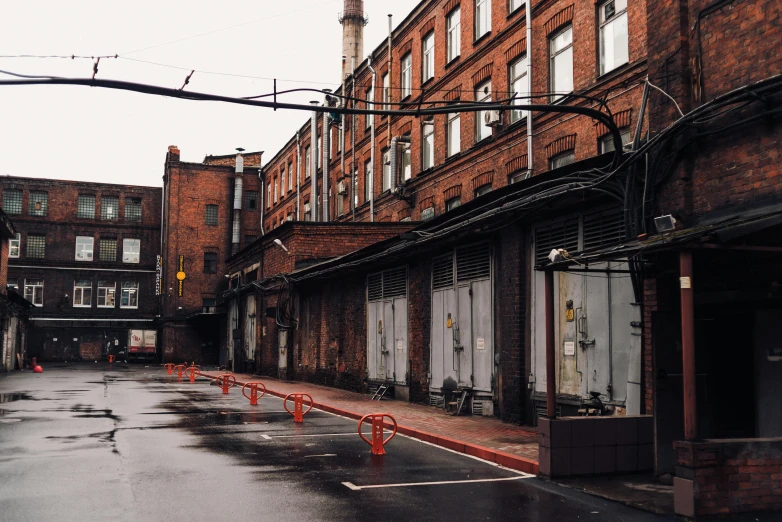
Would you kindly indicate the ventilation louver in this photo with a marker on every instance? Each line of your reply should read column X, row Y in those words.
column 562, row 234
column 473, row 262
column 603, row 228
column 442, row 272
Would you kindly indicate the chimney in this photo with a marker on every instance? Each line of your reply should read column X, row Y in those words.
column 173, row 153
column 353, row 21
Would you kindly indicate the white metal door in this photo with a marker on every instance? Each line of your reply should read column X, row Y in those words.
column 387, row 349
column 374, row 342
column 249, row 328
column 443, row 361
column 399, row 306
column 463, row 347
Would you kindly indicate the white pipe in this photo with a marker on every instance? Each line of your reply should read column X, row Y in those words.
column 238, row 186
column 390, row 77
column 528, row 21
column 263, row 197
column 372, row 147
column 314, row 164
column 298, row 177
column 326, row 160
column 354, row 178
column 342, row 118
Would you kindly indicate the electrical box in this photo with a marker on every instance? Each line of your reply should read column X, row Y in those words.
column 492, row 118
column 342, row 189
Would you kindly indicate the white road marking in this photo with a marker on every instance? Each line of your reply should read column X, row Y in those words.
column 352, row 486
column 323, row 455
column 266, row 437
column 354, row 433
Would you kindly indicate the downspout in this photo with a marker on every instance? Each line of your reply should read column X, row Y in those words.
column 353, row 176
column 314, row 163
column 298, row 177
column 238, row 185
column 263, row 195
column 342, row 118
column 395, row 141
column 372, row 146
column 326, row 158
column 390, row 77
column 530, row 153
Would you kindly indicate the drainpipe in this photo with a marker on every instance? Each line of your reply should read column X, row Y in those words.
column 390, row 77
column 314, row 163
column 298, row 177
column 263, row 195
column 395, row 141
column 688, row 346
column 353, row 177
column 326, row 158
column 551, row 394
column 342, row 119
column 372, row 146
column 238, row 182
column 528, row 22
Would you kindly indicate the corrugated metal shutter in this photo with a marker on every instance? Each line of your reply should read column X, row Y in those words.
column 473, row 262
column 395, row 283
column 562, row 234
column 375, row 286
column 442, row 272
column 603, row 228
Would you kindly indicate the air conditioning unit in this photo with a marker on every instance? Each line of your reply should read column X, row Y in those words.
column 492, row 118
column 342, row 190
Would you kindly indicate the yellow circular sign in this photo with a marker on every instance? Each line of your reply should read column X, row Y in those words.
column 180, row 276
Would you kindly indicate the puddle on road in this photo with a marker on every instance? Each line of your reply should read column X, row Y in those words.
column 12, row 397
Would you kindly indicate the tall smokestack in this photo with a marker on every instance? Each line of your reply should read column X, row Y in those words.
column 353, row 21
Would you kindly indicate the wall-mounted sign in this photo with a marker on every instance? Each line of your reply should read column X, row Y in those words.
column 570, row 348
column 158, row 275
column 181, row 276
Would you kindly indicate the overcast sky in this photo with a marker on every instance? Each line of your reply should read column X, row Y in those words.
column 91, row 134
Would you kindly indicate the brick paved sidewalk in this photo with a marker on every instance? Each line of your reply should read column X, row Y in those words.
column 507, row 444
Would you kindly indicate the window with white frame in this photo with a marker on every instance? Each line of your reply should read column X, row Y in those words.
column 454, row 32
column 453, row 203
column 453, row 134
column 427, row 145
column 428, row 57
column 482, row 17
column 513, row 5
column 13, row 245
column 370, row 106
column 613, row 35
column 129, row 295
column 407, row 75
column 367, row 182
column 82, row 293
column 307, row 211
column 131, row 250
column 606, row 143
column 561, row 66
column 276, row 188
column 480, row 191
column 386, row 170
column 562, row 159
column 407, row 167
column 386, row 92
column 517, row 79
column 84, row 248
column 482, row 94
column 282, row 181
column 320, row 152
column 269, row 195
column 290, row 177
column 106, row 294
column 33, row 291
column 307, row 164
column 427, row 213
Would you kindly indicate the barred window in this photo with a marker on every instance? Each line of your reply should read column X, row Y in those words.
column 86, row 206
column 108, row 249
column 132, row 209
column 131, row 250
column 106, row 294
column 39, row 203
column 36, row 246
column 82, row 293
column 109, row 208
column 129, row 297
column 211, row 215
column 210, row 263
column 251, row 200
column 12, row 201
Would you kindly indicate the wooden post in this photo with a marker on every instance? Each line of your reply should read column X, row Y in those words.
column 688, row 346
column 551, row 377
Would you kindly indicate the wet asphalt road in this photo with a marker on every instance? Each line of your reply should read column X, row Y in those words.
column 88, row 442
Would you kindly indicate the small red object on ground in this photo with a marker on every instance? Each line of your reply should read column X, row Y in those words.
column 254, row 391
column 180, row 368
column 192, row 371
column 226, row 381
column 37, row 369
column 298, row 400
column 111, row 359
column 169, row 368
column 377, row 441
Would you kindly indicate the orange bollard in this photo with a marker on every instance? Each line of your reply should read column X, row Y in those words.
column 378, row 425
column 169, row 368
column 254, row 392
column 226, row 381
column 180, row 370
column 298, row 400
column 192, row 371
column 111, row 359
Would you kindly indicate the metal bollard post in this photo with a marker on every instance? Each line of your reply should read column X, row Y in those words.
column 378, row 426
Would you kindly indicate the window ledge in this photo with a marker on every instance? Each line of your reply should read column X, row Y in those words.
column 427, row 81
column 519, row 9
column 616, row 71
column 481, row 39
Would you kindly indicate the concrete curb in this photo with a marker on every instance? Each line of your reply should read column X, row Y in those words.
column 498, row 457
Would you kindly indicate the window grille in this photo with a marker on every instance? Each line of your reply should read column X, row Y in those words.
column 442, row 272
column 39, row 203
column 109, row 208
column 36, row 246
column 211, row 215
column 132, row 209
column 12, row 201
column 473, row 262
column 387, row 284
column 210, row 263
column 562, row 234
column 85, row 206
column 251, row 200
column 108, row 250
column 603, row 228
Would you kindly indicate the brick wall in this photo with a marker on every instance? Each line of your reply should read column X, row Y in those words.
column 731, row 476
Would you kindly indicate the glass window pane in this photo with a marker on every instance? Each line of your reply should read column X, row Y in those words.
column 39, row 203
column 482, row 94
column 85, row 207
column 36, row 246
column 12, row 201
column 13, row 245
column 109, row 208
column 131, row 250
column 84, row 247
column 211, row 215
column 132, row 209
column 427, row 213
column 251, row 200
column 454, row 134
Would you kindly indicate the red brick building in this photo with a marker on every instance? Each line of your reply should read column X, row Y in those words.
column 14, row 309
column 84, row 255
